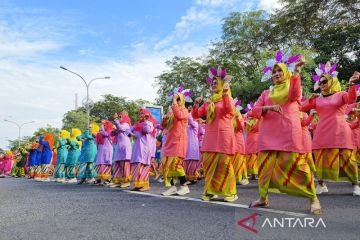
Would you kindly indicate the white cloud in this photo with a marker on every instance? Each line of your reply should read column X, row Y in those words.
column 269, row 5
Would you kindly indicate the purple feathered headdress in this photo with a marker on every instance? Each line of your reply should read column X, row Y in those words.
column 237, row 104
column 326, row 69
column 249, row 107
column 290, row 62
column 186, row 92
column 220, row 73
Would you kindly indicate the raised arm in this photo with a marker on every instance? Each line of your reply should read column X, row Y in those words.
column 350, row 96
column 193, row 124
column 148, row 127
column 122, row 127
column 179, row 114
column 228, row 104
column 295, row 91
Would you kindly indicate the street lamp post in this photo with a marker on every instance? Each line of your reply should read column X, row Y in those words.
column 19, row 126
column 88, row 100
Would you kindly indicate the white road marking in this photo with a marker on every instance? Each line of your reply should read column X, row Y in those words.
column 295, row 214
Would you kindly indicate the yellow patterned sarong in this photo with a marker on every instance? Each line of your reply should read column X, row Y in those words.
column 172, row 169
column 285, row 172
column 240, row 169
column 251, row 163
column 219, row 174
column 336, row 164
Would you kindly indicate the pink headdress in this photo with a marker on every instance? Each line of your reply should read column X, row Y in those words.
column 237, row 104
column 186, row 92
column 324, row 69
column 280, row 58
column 220, row 73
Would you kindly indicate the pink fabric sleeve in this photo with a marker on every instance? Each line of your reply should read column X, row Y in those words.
column 307, row 120
column 228, row 105
column 308, row 104
column 257, row 111
column 122, row 127
column 350, row 96
column 240, row 122
column 199, row 112
column 295, row 91
column 179, row 114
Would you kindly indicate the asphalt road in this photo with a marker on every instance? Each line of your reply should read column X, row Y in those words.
column 37, row 210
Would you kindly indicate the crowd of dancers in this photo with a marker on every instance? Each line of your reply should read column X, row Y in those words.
column 284, row 140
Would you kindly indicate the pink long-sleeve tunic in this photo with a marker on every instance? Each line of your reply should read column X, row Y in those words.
column 305, row 122
column 239, row 136
column 252, row 139
column 280, row 131
column 219, row 134
column 332, row 130
column 176, row 139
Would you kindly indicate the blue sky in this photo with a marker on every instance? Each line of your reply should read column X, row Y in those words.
column 127, row 40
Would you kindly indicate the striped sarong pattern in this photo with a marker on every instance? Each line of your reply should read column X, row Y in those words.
column 219, row 174
column 285, row 172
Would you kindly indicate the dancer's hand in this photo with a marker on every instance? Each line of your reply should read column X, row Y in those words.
column 314, row 95
column 355, row 77
column 198, row 100
column 313, row 112
column 299, row 64
column 226, row 88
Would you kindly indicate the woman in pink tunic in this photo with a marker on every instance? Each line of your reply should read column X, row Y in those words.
column 176, row 143
column 252, row 134
column 282, row 166
column 305, row 122
column 333, row 145
column 218, row 148
column 353, row 119
column 239, row 162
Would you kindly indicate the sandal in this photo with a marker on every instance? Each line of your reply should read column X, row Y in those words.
column 315, row 207
column 260, row 204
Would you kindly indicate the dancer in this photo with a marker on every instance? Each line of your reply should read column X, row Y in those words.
column 306, row 120
column 192, row 158
column 282, row 166
column 122, row 175
column 62, row 153
column 333, row 145
column 87, row 168
column 73, row 155
column 141, row 152
column 32, row 160
column 7, row 163
column 239, row 162
column 21, row 162
column 105, row 153
column 218, row 148
column 47, row 144
column 176, row 142
column 252, row 135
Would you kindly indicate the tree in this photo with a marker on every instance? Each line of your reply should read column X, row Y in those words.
column 184, row 72
column 103, row 109
column 75, row 119
column 331, row 28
